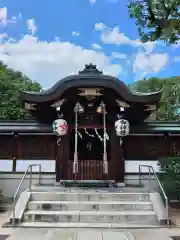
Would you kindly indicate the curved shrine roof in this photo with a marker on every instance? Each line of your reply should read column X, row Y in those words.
column 90, row 77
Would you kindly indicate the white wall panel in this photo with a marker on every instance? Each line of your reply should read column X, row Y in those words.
column 6, row 165
column 10, row 182
column 132, row 166
column 46, row 165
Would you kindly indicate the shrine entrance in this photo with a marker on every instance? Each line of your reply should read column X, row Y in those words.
column 90, row 144
column 90, row 154
column 90, row 101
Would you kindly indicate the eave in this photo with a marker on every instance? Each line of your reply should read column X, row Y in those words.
column 90, row 77
column 13, row 127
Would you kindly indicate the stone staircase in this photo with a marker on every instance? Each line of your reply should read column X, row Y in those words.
column 77, row 207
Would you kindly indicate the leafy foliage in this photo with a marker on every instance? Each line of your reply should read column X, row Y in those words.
column 10, row 83
column 170, row 176
column 157, row 19
column 169, row 106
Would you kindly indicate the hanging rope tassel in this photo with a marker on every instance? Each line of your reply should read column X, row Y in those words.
column 105, row 166
column 75, row 167
column 75, row 164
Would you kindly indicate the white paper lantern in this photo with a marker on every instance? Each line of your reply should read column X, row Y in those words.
column 60, row 127
column 122, row 127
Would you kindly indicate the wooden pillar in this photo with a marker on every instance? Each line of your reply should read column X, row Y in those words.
column 116, row 162
column 16, row 150
column 66, row 169
column 56, row 157
column 166, row 145
column 62, row 159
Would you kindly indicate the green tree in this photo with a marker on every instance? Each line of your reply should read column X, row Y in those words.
column 157, row 19
column 169, row 106
column 170, row 177
column 10, row 83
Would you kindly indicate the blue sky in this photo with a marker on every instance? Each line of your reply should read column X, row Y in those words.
column 48, row 40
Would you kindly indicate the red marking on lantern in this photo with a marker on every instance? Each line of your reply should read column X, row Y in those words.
column 63, row 127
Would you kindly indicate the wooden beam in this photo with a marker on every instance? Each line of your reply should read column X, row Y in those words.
column 16, row 153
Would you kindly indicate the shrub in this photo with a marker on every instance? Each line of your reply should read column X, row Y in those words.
column 170, row 176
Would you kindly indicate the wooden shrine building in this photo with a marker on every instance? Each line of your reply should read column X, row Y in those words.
column 28, row 141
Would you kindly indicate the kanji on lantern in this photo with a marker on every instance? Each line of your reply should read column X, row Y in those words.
column 122, row 127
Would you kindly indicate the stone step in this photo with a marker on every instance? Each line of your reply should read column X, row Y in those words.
column 88, row 225
column 138, row 217
column 85, row 189
column 89, row 205
column 88, row 196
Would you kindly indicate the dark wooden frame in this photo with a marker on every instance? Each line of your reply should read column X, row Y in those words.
column 27, row 127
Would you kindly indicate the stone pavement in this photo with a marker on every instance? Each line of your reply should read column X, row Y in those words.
column 89, row 234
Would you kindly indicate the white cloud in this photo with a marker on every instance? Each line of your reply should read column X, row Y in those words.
column 176, row 59
column 177, row 45
column 3, row 15
column 3, row 36
column 114, row 36
column 47, row 62
column 117, row 55
column 31, row 24
column 149, row 63
column 92, row 1
column 75, row 34
column 96, row 46
column 99, row 26
column 20, row 15
column 14, row 18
